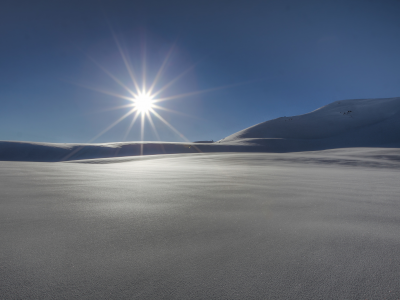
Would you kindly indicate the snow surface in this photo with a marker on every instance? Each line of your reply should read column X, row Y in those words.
column 192, row 221
column 306, row 225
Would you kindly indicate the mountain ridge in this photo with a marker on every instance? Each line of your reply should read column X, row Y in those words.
column 330, row 120
column 341, row 124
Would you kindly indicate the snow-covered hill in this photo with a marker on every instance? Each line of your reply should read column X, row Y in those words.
column 348, row 123
column 358, row 122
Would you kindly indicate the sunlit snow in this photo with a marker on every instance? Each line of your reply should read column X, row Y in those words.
column 227, row 220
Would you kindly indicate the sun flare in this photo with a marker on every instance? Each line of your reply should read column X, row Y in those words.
column 143, row 103
column 144, row 99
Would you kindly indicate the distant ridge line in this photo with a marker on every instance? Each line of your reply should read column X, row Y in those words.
column 341, row 124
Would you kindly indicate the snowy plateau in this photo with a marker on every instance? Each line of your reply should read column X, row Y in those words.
column 300, row 207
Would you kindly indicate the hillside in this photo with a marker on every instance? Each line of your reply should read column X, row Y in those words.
column 361, row 122
column 347, row 123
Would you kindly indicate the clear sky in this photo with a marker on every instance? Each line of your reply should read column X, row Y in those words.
column 273, row 58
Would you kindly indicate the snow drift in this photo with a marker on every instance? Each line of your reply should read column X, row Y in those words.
column 347, row 123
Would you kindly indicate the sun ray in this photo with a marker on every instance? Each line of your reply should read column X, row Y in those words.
column 176, row 112
column 113, row 77
column 155, row 130
column 152, row 125
column 203, row 91
column 102, row 91
column 112, row 125
column 131, row 125
column 142, row 132
column 144, row 64
column 72, row 153
column 161, row 70
column 126, row 62
column 175, row 130
column 110, row 109
column 184, row 95
column 173, row 81
column 169, row 125
column 143, row 98
column 113, row 94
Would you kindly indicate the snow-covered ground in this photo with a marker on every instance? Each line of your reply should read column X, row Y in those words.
column 223, row 220
column 307, row 225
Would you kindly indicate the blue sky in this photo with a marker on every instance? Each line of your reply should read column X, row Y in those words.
column 274, row 58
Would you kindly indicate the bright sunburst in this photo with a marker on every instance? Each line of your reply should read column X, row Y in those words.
column 143, row 103
column 143, row 100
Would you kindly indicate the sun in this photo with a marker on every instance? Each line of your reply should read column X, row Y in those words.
column 144, row 99
column 143, row 103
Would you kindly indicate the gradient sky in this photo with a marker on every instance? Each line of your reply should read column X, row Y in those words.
column 274, row 58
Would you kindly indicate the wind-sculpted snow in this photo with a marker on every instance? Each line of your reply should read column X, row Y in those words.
column 307, row 225
column 351, row 157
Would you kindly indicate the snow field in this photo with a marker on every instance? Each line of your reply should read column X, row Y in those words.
column 315, row 225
